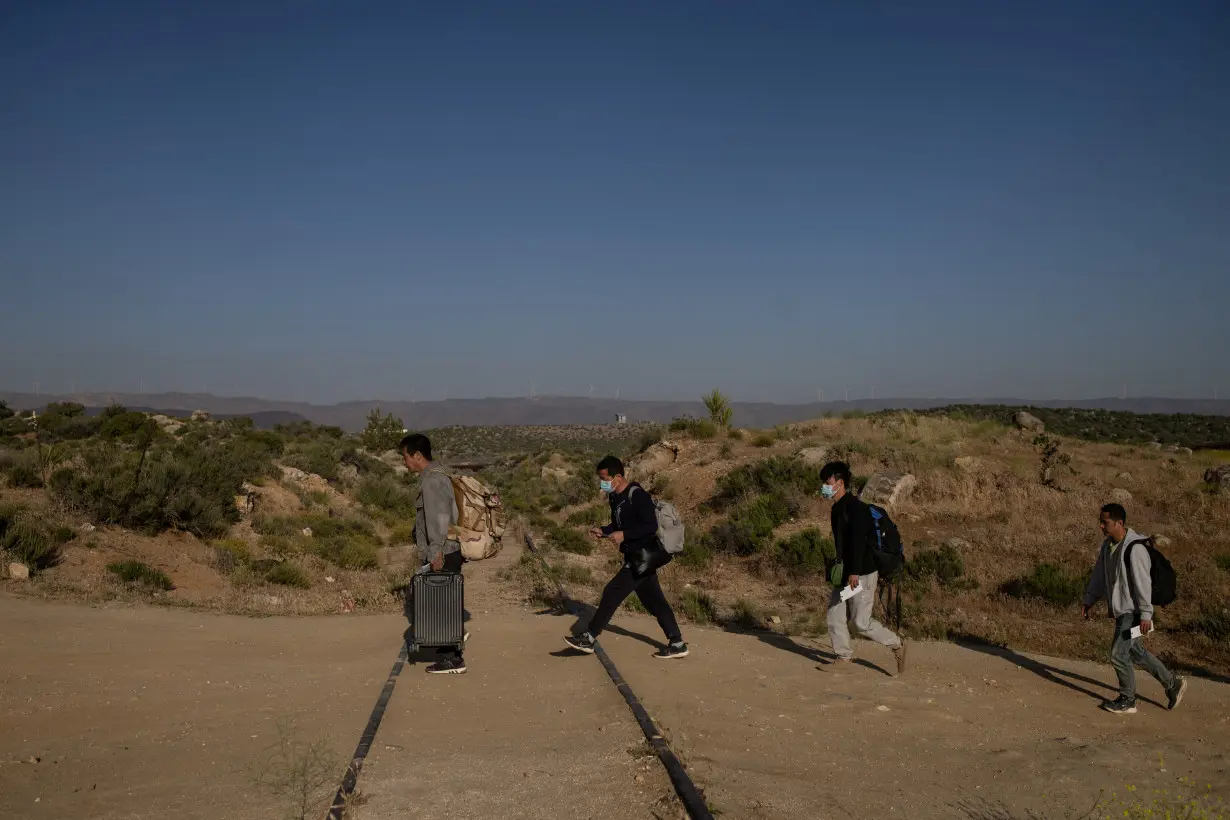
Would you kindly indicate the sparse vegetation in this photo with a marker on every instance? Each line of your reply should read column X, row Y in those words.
column 27, row 540
column 696, row 428
column 288, row 574
column 384, row 431
column 697, row 607
column 944, row 565
column 1048, row 582
column 141, row 574
column 720, row 411
column 806, row 552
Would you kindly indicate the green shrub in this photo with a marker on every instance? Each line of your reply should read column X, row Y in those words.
column 389, row 494
column 747, row 615
column 574, row 574
column 323, row 458
column 726, row 450
column 126, row 426
column 288, row 574
column 568, row 539
column 945, row 565
column 697, row 607
column 720, row 411
column 402, row 534
column 230, row 554
column 346, row 552
column 806, row 552
column 9, row 515
column 785, row 475
column 1047, row 582
column 285, row 546
column 383, row 432
column 764, row 439
column 696, row 554
column 696, row 428
column 28, row 542
column 1223, row 561
column 62, row 535
column 595, row 515
column 749, row 526
column 137, row 572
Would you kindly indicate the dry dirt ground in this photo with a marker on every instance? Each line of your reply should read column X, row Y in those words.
column 141, row 712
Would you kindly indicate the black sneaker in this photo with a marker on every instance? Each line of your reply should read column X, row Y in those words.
column 1120, row 706
column 1174, row 695
column 448, row 666
column 582, row 643
column 675, row 650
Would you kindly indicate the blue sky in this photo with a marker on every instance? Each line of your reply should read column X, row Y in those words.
column 327, row 201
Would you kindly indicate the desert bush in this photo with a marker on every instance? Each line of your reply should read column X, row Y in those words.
column 781, row 475
column 945, row 565
column 1212, row 620
column 1223, row 561
column 288, row 574
column 806, row 552
column 346, row 552
column 389, row 494
column 402, row 534
column 26, row 541
column 62, row 534
column 726, row 451
column 1047, row 582
column 324, row 458
column 574, row 574
column 746, row 615
column 126, row 426
column 696, row 428
column 568, row 539
column 573, row 491
column 383, row 432
column 24, row 472
column 697, row 607
column 142, row 574
column 649, row 437
column 720, row 412
column 1051, row 459
column 696, row 554
column 764, row 439
column 749, row 526
column 595, row 515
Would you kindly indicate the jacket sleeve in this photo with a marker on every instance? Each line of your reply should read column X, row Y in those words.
column 1095, row 590
column 859, row 559
column 1141, row 580
column 643, row 522
column 439, row 508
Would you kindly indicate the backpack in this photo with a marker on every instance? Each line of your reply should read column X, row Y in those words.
column 1162, row 577
column 480, row 518
column 670, row 525
column 889, row 551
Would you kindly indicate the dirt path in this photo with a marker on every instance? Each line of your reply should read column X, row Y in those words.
column 149, row 712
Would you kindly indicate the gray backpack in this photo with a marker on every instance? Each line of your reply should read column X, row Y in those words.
column 670, row 525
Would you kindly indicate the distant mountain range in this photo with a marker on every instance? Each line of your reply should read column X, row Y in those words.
column 556, row 410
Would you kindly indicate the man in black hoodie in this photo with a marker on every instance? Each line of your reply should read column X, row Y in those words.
column 854, row 538
column 634, row 528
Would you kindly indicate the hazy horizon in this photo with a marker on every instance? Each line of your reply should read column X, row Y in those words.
column 315, row 202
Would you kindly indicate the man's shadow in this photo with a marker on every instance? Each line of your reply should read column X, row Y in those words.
column 428, row 654
column 1062, row 677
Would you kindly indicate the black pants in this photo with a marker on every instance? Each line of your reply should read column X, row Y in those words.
column 648, row 590
column 452, row 563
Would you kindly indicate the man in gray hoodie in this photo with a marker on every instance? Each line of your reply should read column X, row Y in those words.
column 1128, row 596
column 435, row 511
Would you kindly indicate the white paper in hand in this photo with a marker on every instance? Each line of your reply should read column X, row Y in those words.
column 847, row 593
column 1137, row 632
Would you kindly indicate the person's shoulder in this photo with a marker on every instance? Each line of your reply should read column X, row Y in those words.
column 436, row 479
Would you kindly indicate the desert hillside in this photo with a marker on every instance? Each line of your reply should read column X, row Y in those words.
column 999, row 521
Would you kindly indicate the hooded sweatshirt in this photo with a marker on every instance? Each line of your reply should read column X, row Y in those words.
column 1110, row 579
column 435, row 511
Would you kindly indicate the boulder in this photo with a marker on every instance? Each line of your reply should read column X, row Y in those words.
column 167, row 424
column 200, row 415
column 1030, row 422
column 307, row 532
column 348, row 473
column 655, row 459
column 814, row 456
column 888, row 489
column 1124, row 476
column 1218, row 476
column 19, row 572
column 1162, row 542
column 1120, row 496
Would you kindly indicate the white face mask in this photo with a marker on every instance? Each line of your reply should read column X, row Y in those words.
column 828, row 490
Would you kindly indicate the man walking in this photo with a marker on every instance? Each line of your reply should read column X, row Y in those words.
column 853, row 536
column 435, row 511
column 634, row 528
column 1122, row 576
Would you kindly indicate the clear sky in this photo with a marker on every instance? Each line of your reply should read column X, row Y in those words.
column 328, row 200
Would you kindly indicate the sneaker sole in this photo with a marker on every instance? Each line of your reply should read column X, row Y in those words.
column 460, row 671
column 587, row 650
column 1130, row 711
column 1179, row 697
column 672, row 657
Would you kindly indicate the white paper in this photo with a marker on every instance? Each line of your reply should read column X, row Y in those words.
column 1136, row 632
column 847, row 593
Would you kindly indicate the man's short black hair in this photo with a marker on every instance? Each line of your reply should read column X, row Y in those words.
column 416, row 443
column 1116, row 512
column 836, row 469
column 612, row 465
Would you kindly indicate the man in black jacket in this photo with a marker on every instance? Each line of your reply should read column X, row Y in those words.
column 634, row 528
column 854, row 537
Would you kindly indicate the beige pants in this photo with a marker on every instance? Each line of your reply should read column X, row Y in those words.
column 855, row 614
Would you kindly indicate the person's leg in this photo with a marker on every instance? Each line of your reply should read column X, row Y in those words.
column 1145, row 660
column 1121, row 658
column 619, row 588
column 649, row 590
column 862, row 605
column 839, row 633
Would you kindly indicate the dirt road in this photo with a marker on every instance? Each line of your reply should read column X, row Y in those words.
column 136, row 713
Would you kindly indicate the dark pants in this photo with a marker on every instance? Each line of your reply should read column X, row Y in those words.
column 452, row 563
column 648, row 590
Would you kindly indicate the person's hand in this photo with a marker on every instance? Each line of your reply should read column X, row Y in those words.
column 853, row 582
column 1146, row 627
column 597, row 532
column 617, row 537
column 1085, row 612
column 437, row 563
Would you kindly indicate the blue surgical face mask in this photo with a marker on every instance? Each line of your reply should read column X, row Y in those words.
column 828, row 490
column 604, row 485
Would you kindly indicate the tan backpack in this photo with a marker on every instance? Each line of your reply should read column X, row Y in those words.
column 480, row 518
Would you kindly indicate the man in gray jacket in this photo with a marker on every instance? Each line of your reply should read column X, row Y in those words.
column 1129, row 598
column 435, row 511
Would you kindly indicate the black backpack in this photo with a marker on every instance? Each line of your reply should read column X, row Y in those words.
column 889, row 551
column 1162, row 577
